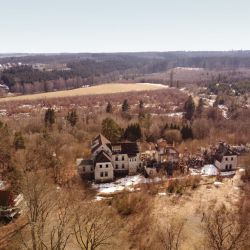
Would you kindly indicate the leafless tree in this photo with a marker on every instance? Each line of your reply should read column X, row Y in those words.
column 93, row 227
column 47, row 215
column 171, row 234
column 224, row 230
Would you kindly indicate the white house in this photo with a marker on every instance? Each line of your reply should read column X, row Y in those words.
column 104, row 170
column 225, row 158
column 110, row 160
column 227, row 162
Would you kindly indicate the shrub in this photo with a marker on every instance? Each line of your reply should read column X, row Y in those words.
column 176, row 186
column 127, row 204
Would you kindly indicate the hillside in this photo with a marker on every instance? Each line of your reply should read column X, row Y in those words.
column 33, row 73
column 94, row 90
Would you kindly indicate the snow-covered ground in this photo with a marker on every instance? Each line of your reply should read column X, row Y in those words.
column 175, row 114
column 3, row 112
column 126, row 183
column 209, row 102
column 229, row 173
column 224, row 110
column 209, row 170
column 154, row 84
column 189, row 68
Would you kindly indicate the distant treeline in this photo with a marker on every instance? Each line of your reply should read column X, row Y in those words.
column 89, row 69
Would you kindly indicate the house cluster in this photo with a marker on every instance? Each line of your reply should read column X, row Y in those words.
column 161, row 155
column 109, row 160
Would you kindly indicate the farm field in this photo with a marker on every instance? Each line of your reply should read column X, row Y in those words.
column 95, row 90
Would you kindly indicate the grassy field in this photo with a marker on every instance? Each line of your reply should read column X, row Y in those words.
column 95, row 90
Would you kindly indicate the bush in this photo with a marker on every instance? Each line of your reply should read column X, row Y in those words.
column 127, row 204
column 178, row 186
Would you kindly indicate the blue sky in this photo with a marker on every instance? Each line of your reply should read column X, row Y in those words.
column 123, row 25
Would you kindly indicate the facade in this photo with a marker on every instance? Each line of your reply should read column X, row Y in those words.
column 227, row 162
column 225, row 158
column 168, row 154
column 110, row 160
column 104, row 170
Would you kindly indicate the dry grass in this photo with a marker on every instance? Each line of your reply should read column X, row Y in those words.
column 95, row 90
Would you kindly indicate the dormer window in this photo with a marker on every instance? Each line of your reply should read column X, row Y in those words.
column 116, row 148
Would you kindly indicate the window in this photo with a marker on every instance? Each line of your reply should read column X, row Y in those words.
column 91, row 168
column 232, row 158
column 107, row 165
column 101, row 174
column 122, row 158
column 230, row 166
column 116, row 158
column 226, row 167
column 116, row 166
column 106, row 174
column 83, row 169
column 226, row 158
column 101, row 166
column 123, row 166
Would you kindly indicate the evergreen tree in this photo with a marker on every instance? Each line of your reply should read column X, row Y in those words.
column 141, row 110
column 141, row 104
column 189, row 108
column 49, row 117
column 109, row 108
column 125, row 106
column 200, row 107
column 133, row 132
column 186, row 132
column 72, row 118
column 18, row 141
column 171, row 78
column 177, row 84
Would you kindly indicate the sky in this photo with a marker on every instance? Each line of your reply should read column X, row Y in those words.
column 52, row 26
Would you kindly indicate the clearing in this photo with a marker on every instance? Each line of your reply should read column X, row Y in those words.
column 94, row 90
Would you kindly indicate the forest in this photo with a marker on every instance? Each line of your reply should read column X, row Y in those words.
column 91, row 69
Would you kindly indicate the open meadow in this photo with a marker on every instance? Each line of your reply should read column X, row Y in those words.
column 99, row 89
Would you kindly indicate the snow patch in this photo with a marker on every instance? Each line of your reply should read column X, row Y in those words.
column 122, row 184
column 209, row 170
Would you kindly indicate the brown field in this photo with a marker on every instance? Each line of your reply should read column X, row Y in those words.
column 95, row 90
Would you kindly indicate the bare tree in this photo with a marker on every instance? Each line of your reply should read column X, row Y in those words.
column 93, row 228
column 171, row 234
column 225, row 231
column 47, row 215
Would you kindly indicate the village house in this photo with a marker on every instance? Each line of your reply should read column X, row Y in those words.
column 168, row 154
column 225, row 158
column 110, row 160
